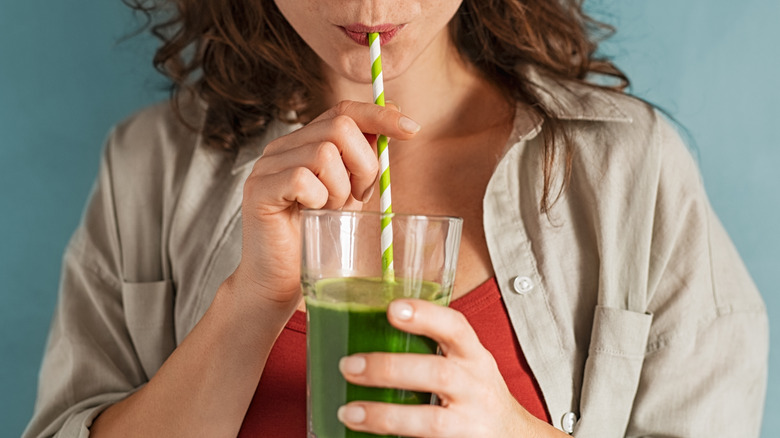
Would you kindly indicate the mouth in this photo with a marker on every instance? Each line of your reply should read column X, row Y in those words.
column 359, row 32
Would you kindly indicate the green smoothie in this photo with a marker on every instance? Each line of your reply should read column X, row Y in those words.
column 347, row 316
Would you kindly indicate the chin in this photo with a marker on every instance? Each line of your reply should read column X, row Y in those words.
column 356, row 74
column 355, row 67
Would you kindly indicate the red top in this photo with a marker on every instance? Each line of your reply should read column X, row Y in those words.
column 278, row 408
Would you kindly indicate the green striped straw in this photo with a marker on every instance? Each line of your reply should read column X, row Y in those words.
column 385, row 203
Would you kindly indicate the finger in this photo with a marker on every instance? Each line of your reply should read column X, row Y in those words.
column 270, row 194
column 392, row 105
column 324, row 161
column 404, row 420
column 414, row 372
column 353, row 204
column 375, row 119
column 355, row 150
column 448, row 327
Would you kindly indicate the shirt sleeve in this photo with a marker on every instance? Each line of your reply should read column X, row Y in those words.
column 90, row 361
column 706, row 361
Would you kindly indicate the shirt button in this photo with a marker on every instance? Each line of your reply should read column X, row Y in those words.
column 522, row 285
column 568, row 421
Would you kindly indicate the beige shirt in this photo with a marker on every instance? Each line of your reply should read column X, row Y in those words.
column 631, row 305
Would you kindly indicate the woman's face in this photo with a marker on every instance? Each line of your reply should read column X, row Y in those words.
column 336, row 30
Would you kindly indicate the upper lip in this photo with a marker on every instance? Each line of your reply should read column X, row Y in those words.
column 363, row 28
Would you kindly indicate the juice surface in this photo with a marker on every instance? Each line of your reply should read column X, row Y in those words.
column 347, row 316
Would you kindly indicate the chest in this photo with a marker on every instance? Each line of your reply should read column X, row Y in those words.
column 450, row 179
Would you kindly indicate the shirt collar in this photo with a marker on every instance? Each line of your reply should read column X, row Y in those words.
column 568, row 100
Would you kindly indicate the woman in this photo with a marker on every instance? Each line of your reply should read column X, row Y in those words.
column 611, row 302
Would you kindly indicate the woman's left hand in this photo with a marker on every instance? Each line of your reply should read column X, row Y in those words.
column 475, row 401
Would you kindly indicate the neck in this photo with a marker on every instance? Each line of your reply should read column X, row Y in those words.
column 441, row 91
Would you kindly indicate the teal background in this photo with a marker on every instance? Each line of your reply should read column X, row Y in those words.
column 65, row 79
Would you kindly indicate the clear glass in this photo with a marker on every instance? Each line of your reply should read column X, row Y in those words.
column 346, row 300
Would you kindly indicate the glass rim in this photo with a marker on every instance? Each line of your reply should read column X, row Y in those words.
column 435, row 217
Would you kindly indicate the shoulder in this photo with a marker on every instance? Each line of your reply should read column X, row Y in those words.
column 602, row 116
column 147, row 162
column 149, row 155
column 614, row 133
column 157, row 134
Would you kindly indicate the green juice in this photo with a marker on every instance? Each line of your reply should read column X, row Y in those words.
column 347, row 316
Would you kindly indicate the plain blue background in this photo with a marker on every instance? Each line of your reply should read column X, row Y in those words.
column 64, row 80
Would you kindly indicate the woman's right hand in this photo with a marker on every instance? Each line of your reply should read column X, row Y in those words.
column 329, row 163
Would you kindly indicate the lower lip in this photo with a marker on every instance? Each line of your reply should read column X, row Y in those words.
column 362, row 37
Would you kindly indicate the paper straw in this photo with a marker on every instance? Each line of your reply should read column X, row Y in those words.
column 385, row 203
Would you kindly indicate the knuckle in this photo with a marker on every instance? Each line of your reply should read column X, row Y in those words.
column 343, row 106
column 488, row 361
column 299, row 178
column 445, row 376
column 373, row 166
column 273, row 146
column 250, row 185
column 387, row 366
column 440, row 423
column 335, row 199
column 384, row 424
column 461, row 320
column 260, row 166
column 391, row 112
column 327, row 152
column 343, row 125
column 461, row 327
column 341, row 194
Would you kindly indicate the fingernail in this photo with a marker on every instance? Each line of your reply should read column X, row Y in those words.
column 408, row 125
column 401, row 310
column 367, row 194
column 351, row 414
column 352, row 364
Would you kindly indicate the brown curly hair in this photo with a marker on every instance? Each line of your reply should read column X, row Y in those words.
column 249, row 66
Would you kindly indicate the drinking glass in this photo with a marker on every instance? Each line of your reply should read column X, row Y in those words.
column 347, row 298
